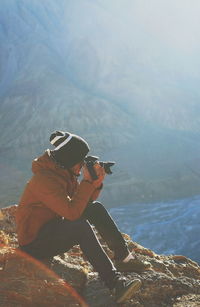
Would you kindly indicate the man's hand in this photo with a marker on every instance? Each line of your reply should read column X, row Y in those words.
column 100, row 172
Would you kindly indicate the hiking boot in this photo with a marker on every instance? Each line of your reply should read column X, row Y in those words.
column 124, row 289
column 133, row 265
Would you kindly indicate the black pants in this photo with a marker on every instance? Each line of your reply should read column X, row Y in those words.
column 59, row 235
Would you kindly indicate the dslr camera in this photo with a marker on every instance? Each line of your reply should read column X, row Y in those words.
column 90, row 162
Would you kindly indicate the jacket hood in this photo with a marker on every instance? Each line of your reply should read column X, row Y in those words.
column 44, row 162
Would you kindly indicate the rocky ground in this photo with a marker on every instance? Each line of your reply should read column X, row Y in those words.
column 68, row 279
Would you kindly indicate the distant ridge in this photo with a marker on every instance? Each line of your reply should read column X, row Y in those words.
column 60, row 69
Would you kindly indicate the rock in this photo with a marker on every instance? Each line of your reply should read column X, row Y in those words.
column 8, row 226
column 7, row 219
column 187, row 301
column 173, row 280
column 27, row 282
column 74, row 274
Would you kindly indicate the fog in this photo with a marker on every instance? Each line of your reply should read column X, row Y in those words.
column 138, row 53
column 129, row 69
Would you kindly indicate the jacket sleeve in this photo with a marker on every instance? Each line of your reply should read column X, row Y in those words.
column 53, row 195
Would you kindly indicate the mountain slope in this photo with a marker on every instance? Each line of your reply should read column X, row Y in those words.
column 101, row 70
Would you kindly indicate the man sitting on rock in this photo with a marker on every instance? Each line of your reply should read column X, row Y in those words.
column 56, row 212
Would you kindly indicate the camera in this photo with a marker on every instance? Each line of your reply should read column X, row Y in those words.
column 90, row 162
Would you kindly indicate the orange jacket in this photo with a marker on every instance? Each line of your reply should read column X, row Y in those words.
column 51, row 192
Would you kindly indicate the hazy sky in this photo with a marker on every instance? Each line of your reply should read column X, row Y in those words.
column 167, row 19
column 139, row 50
column 172, row 25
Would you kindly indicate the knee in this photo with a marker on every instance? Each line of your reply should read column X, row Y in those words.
column 98, row 208
column 97, row 204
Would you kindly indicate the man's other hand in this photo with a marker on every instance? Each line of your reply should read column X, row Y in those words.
column 100, row 172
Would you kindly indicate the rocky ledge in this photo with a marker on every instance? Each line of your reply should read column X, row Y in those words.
column 68, row 279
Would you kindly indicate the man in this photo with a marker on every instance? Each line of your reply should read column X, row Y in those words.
column 56, row 212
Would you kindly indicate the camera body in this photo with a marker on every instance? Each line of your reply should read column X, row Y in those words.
column 90, row 162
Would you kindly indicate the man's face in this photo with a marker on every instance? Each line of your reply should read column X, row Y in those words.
column 76, row 169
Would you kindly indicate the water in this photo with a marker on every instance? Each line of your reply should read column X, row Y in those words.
column 166, row 228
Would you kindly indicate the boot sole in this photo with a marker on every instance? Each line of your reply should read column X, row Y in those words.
column 134, row 287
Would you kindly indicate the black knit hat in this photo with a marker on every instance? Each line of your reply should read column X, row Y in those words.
column 70, row 149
